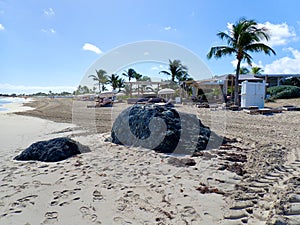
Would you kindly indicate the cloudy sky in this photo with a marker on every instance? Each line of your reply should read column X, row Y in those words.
column 50, row 44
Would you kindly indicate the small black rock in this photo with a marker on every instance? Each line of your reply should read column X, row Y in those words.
column 53, row 150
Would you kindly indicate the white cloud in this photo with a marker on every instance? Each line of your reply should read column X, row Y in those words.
column 154, row 68
column 234, row 63
column 49, row 31
column 91, row 47
column 22, row 89
column 159, row 67
column 280, row 34
column 286, row 65
column 49, row 12
column 244, row 64
column 169, row 28
column 2, row 27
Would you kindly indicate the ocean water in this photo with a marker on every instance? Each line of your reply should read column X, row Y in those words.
column 8, row 100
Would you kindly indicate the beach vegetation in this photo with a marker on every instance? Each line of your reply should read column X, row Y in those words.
column 294, row 81
column 113, row 80
column 121, row 83
column 283, row 92
column 82, row 90
column 177, row 71
column 101, row 78
column 130, row 73
column 256, row 70
column 244, row 36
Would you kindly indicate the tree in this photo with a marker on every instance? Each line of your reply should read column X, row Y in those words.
column 81, row 90
column 121, row 83
column 130, row 73
column 145, row 78
column 176, row 70
column 244, row 37
column 244, row 70
column 101, row 79
column 256, row 70
column 138, row 76
column 113, row 80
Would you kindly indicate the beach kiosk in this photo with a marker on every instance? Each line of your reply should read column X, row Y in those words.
column 253, row 94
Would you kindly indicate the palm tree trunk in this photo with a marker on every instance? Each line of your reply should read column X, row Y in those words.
column 236, row 84
column 173, row 77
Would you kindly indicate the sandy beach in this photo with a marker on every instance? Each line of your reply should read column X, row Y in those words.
column 253, row 179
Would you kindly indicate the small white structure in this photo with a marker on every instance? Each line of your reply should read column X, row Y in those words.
column 166, row 91
column 253, row 94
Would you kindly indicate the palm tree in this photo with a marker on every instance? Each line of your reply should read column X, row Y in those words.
column 121, row 83
column 138, row 76
column 256, row 70
column 244, row 70
column 130, row 73
column 176, row 70
column 101, row 79
column 113, row 80
column 244, row 37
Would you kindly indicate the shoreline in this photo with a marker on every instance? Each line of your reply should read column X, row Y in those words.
column 117, row 184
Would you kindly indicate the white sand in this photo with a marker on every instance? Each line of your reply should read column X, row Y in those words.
column 110, row 185
column 120, row 185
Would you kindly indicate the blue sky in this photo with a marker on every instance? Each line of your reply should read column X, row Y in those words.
column 50, row 44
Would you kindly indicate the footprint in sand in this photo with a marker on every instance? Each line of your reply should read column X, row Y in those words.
column 97, row 196
column 15, row 207
column 65, row 197
column 88, row 213
column 50, row 217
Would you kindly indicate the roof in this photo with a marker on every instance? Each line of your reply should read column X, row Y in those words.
column 148, row 82
column 243, row 77
column 277, row 75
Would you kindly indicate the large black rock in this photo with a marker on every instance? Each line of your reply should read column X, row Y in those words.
column 162, row 129
column 53, row 150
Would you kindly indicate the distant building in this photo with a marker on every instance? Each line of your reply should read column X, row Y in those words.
column 227, row 81
column 275, row 79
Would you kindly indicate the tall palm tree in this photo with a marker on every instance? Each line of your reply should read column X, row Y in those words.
column 101, row 79
column 244, row 37
column 256, row 70
column 176, row 70
column 130, row 73
column 113, row 80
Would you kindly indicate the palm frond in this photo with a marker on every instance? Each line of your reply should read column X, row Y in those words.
column 220, row 51
column 165, row 72
column 260, row 47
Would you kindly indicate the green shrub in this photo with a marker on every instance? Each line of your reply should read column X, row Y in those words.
column 284, row 91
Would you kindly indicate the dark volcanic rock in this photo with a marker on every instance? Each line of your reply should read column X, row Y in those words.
column 162, row 129
column 53, row 150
